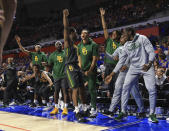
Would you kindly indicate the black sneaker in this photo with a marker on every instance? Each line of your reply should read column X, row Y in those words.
column 108, row 113
column 93, row 113
column 121, row 116
column 85, row 113
column 79, row 117
column 152, row 118
column 33, row 105
column 5, row 105
column 141, row 115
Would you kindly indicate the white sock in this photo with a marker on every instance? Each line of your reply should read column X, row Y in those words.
column 66, row 105
column 48, row 104
column 151, row 112
column 44, row 101
column 35, row 101
column 84, row 107
column 56, row 105
column 76, row 109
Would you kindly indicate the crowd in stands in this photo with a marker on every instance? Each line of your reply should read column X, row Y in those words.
column 119, row 13
column 129, row 12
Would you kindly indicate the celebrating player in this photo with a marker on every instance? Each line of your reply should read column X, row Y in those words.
column 87, row 54
column 141, row 55
column 73, row 72
column 37, row 57
column 120, row 81
column 57, row 60
column 112, row 43
column 42, row 83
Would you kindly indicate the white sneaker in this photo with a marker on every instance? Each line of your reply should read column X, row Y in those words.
column 12, row 103
column 76, row 110
column 93, row 113
column 167, row 119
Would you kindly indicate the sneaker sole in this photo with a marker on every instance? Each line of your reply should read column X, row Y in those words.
column 149, row 119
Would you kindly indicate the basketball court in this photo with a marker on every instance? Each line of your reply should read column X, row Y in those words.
column 25, row 118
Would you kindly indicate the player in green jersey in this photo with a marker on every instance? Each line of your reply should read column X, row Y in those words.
column 112, row 43
column 37, row 57
column 57, row 60
column 88, row 54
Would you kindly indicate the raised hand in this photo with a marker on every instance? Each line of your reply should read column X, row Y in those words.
column 66, row 12
column 102, row 11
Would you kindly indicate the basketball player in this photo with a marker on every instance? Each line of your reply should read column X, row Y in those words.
column 42, row 83
column 88, row 54
column 112, row 43
column 141, row 55
column 73, row 71
column 57, row 60
column 7, row 12
column 37, row 57
column 11, row 82
column 120, row 81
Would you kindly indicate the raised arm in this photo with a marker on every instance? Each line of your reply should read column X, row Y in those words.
column 66, row 26
column 102, row 13
column 18, row 40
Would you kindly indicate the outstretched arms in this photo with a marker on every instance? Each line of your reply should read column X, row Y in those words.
column 102, row 13
column 66, row 25
column 18, row 40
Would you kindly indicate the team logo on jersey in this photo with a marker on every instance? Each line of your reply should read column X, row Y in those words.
column 60, row 59
column 36, row 58
column 71, row 68
column 120, row 51
column 133, row 46
column 114, row 45
column 84, row 51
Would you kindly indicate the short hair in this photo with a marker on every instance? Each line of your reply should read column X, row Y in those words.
column 38, row 45
column 132, row 30
column 118, row 32
column 86, row 30
column 58, row 42
column 36, row 65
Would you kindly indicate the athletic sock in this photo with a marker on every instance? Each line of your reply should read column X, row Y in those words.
column 48, row 104
column 76, row 109
column 44, row 101
column 66, row 105
column 35, row 101
column 84, row 107
column 56, row 106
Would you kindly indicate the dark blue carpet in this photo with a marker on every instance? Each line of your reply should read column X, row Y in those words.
column 132, row 123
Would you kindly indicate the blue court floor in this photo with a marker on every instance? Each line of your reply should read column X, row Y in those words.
column 131, row 124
